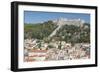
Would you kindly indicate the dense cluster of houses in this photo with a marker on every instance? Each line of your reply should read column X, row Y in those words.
column 38, row 50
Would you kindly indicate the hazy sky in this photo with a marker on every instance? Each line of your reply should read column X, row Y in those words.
column 36, row 17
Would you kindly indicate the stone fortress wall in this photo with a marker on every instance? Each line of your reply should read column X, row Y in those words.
column 63, row 21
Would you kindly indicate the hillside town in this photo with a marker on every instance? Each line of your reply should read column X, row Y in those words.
column 54, row 47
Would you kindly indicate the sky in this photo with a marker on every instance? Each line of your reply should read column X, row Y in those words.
column 38, row 17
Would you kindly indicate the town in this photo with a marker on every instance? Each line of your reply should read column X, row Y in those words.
column 58, row 46
column 55, row 50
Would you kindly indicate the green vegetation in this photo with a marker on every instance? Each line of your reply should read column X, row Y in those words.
column 74, row 34
column 39, row 31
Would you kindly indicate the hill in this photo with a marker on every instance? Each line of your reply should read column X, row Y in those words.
column 67, row 33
